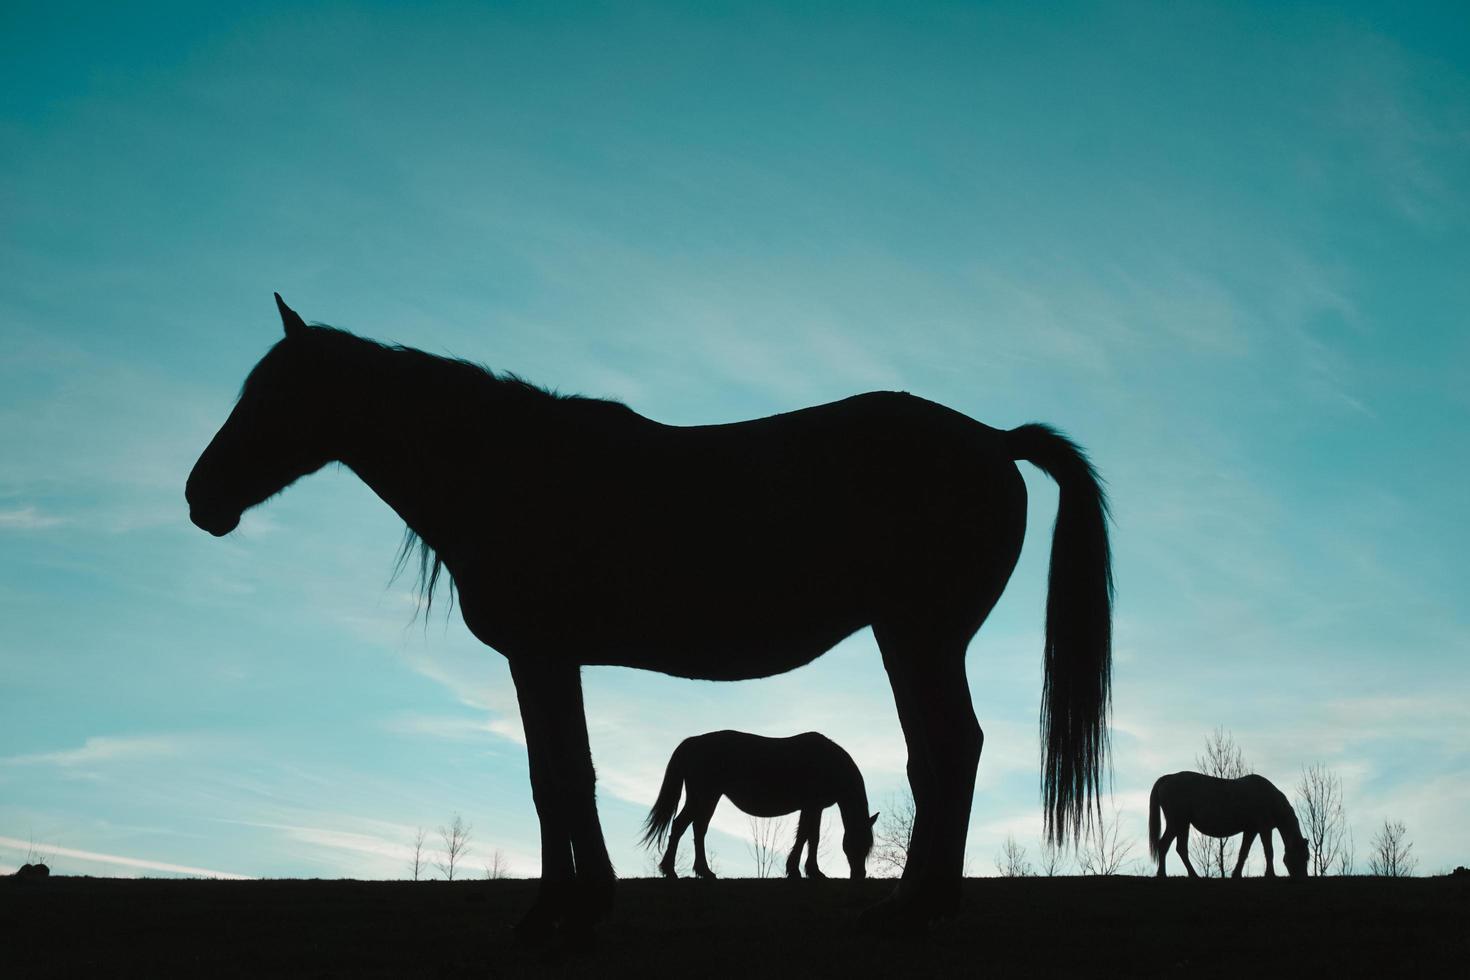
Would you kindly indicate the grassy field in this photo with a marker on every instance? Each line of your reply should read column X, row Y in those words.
column 1123, row 927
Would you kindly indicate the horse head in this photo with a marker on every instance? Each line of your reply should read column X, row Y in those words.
column 273, row 437
column 1297, row 855
column 857, row 842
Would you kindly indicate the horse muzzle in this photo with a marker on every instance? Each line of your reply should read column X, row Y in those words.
column 217, row 524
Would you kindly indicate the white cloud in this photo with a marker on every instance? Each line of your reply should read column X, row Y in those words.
column 108, row 748
column 28, row 518
column 51, row 851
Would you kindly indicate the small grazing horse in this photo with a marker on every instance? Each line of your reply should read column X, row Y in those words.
column 1250, row 805
column 576, row 531
column 765, row 777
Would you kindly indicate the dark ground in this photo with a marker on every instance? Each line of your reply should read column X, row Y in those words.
column 1122, row 927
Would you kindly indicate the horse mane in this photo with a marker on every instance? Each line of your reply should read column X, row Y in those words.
column 418, row 373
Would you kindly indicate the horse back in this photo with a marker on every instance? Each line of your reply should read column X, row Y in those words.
column 1219, row 807
column 790, row 531
column 768, row 777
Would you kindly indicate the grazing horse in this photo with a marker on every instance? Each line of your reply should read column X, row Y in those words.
column 1250, row 805
column 576, row 531
column 765, row 777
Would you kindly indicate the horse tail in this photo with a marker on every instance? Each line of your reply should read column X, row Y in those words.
column 1153, row 820
column 1076, row 695
column 656, row 827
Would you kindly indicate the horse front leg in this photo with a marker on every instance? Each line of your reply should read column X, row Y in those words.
column 813, row 820
column 576, row 873
column 1246, row 840
column 1270, row 857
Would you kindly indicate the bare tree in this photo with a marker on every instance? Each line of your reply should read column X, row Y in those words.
column 1319, row 808
column 1053, row 860
column 1011, row 861
column 1215, row 856
column 1390, row 854
column 766, row 845
column 456, row 838
column 1104, row 848
column 497, row 869
column 1346, row 856
column 416, row 863
column 892, row 836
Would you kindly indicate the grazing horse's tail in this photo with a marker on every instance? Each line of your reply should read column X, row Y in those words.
column 1153, row 820
column 1075, row 695
column 656, row 827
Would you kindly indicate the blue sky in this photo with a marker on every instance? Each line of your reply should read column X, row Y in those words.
column 1223, row 245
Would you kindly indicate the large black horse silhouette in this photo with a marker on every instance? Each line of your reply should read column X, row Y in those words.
column 765, row 777
column 576, row 532
column 1251, row 806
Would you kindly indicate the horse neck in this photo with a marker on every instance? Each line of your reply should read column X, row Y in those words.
column 852, row 801
column 1286, row 822
column 396, row 434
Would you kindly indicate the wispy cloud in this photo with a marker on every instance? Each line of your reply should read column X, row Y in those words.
column 389, row 855
column 28, row 518
column 458, row 727
column 52, row 851
column 106, row 748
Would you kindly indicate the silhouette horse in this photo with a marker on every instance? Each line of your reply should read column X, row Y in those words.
column 765, row 777
column 1250, row 805
column 576, row 531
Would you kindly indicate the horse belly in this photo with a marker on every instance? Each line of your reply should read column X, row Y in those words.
column 1217, row 826
column 766, row 805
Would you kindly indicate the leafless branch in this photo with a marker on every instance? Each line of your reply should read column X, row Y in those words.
column 1104, row 849
column 1390, row 854
column 1011, row 861
column 417, row 861
column 1319, row 808
column 766, row 837
column 456, row 838
column 892, row 836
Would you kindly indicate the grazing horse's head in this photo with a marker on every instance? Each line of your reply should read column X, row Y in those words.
column 1296, row 857
column 857, row 841
column 273, row 437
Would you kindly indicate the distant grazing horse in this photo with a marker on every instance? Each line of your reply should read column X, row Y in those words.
column 576, row 532
column 765, row 777
column 1250, row 805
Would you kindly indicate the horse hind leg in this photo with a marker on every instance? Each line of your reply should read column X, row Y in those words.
column 793, row 860
column 1181, row 847
column 1164, row 843
column 926, row 668
column 702, row 817
column 681, row 823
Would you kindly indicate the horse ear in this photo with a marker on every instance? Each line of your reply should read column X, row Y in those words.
column 295, row 326
column 873, row 820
